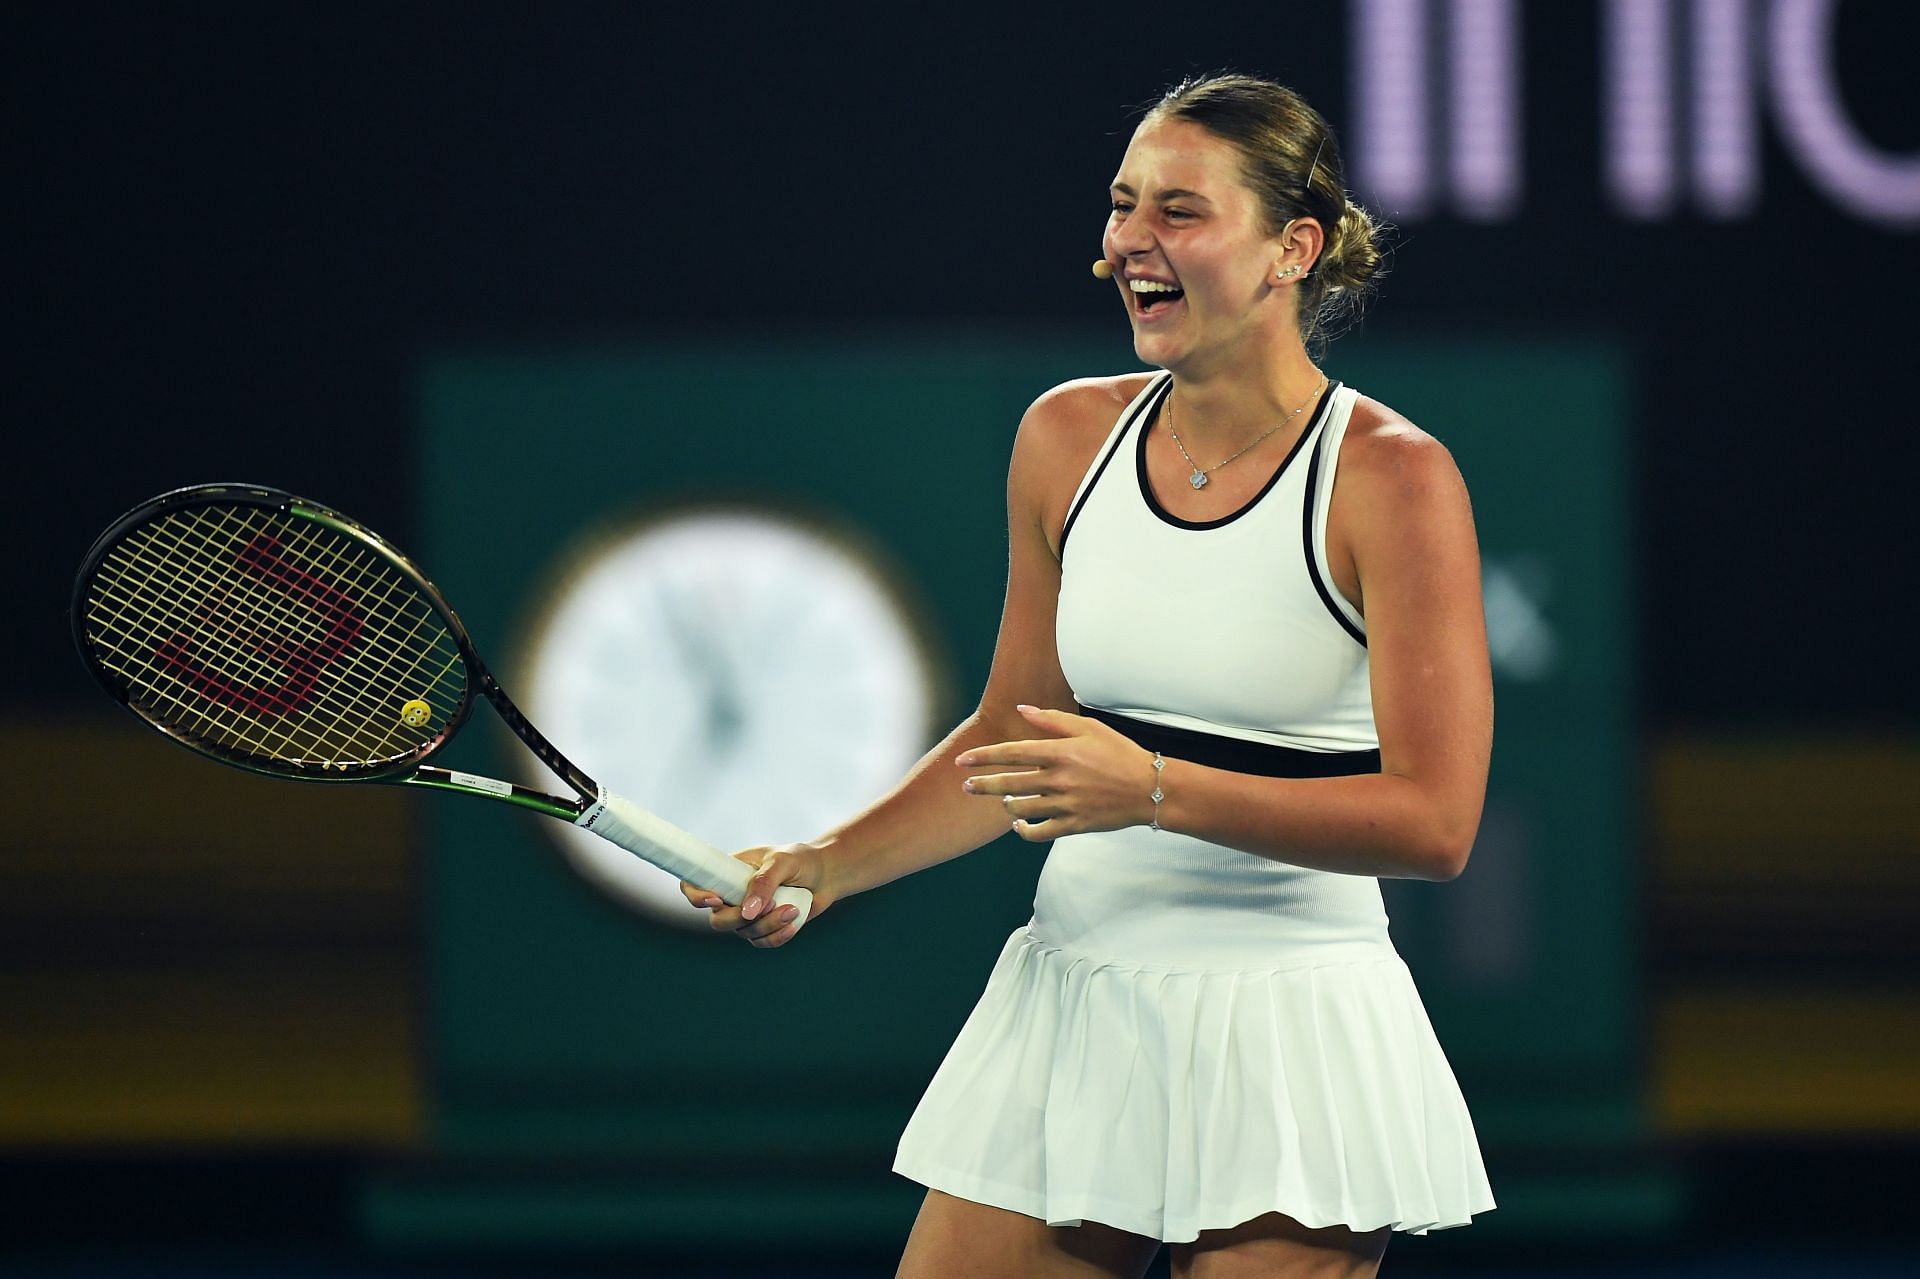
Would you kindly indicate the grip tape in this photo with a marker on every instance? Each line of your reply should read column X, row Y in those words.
column 659, row 841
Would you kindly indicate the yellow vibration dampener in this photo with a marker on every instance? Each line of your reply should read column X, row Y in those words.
column 415, row 713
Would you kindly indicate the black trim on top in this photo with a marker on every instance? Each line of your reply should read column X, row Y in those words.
column 1306, row 541
column 1153, row 503
column 1236, row 755
column 1152, row 396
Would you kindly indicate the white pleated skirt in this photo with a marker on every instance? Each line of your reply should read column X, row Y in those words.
column 1168, row 1101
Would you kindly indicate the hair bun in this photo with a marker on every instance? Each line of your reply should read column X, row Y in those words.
column 1353, row 258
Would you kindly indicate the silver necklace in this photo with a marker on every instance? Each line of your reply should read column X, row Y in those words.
column 1199, row 477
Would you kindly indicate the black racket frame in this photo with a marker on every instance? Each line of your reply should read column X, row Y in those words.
column 408, row 770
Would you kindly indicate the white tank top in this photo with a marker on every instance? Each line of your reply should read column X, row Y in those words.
column 1231, row 626
column 1225, row 643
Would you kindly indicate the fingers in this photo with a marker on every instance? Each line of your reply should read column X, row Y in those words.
column 775, row 928
column 1038, row 818
column 766, row 877
column 778, row 927
column 1040, row 832
column 1059, row 723
column 1076, row 778
column 1034, row 808
column 723, row 918
column 1028, row 783
column 1028, row 754
column 755, row 919
column 1035, row 752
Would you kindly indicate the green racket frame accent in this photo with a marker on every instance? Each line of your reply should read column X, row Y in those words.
column 446, row 779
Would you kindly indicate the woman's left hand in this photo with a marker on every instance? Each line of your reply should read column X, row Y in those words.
column 1079, row 776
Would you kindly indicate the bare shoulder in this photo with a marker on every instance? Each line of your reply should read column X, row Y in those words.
column 1398, row 506
column 1060, row 434
column 1398, row 497
column 1391, row 465
column 1385, row 451
column 1076, row 416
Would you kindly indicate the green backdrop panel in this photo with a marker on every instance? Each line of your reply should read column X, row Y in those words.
column 561, row 1024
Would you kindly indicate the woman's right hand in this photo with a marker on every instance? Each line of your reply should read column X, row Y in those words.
column 756, row 918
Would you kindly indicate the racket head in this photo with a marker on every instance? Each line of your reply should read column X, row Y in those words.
column 274, row 634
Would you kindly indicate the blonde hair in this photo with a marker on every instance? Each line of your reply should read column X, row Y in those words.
column 1291, row 160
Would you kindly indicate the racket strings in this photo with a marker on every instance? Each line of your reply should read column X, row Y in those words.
column 223, row 627
column 273, row 636
column 425, row 643
column 341, row 558
column 403, row 654
column 299, row 657
column 238, row 643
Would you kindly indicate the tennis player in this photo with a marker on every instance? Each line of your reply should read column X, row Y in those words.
column 1241, row 675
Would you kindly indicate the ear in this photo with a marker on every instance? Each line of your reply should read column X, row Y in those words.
column 1297, row 246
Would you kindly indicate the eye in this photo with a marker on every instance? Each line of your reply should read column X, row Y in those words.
column 1122, row 207
column 1179, row 215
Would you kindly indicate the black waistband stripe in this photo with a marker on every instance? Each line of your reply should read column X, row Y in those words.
column 1260, row 759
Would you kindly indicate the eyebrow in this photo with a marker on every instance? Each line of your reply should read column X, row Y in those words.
column 1166, row 193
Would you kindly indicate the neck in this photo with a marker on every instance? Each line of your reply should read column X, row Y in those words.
column 1220, row 410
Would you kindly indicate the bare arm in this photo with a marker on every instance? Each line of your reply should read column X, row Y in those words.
column 1415, row 551
column 928, row 818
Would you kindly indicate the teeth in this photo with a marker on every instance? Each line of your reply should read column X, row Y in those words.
column 1152, row 286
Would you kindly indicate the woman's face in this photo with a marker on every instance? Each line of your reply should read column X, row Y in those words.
column 1192, row 255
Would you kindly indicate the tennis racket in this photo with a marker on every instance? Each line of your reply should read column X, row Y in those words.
column 273, row 634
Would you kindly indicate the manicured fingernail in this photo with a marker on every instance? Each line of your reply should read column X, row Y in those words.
column 967, row 786
column 751, row 907
column 790, row 914
column 1024, row 707
column 965, row 761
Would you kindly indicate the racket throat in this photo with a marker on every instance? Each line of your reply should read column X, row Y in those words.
column 545, row 751
column 446, row 779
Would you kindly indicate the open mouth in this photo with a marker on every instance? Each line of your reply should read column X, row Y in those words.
column 1154, row 297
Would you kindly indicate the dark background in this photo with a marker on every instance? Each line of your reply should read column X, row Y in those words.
column 238, row 233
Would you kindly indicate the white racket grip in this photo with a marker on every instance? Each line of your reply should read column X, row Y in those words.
column 622, row 822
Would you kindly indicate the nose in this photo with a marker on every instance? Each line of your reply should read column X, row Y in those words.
column 1128, row 235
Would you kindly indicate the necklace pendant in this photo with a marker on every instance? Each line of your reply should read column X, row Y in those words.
column 1198, row 479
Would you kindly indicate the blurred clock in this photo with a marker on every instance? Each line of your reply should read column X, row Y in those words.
column 751, row 675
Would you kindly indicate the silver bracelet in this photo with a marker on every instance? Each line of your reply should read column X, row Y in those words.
column 1158, row 794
